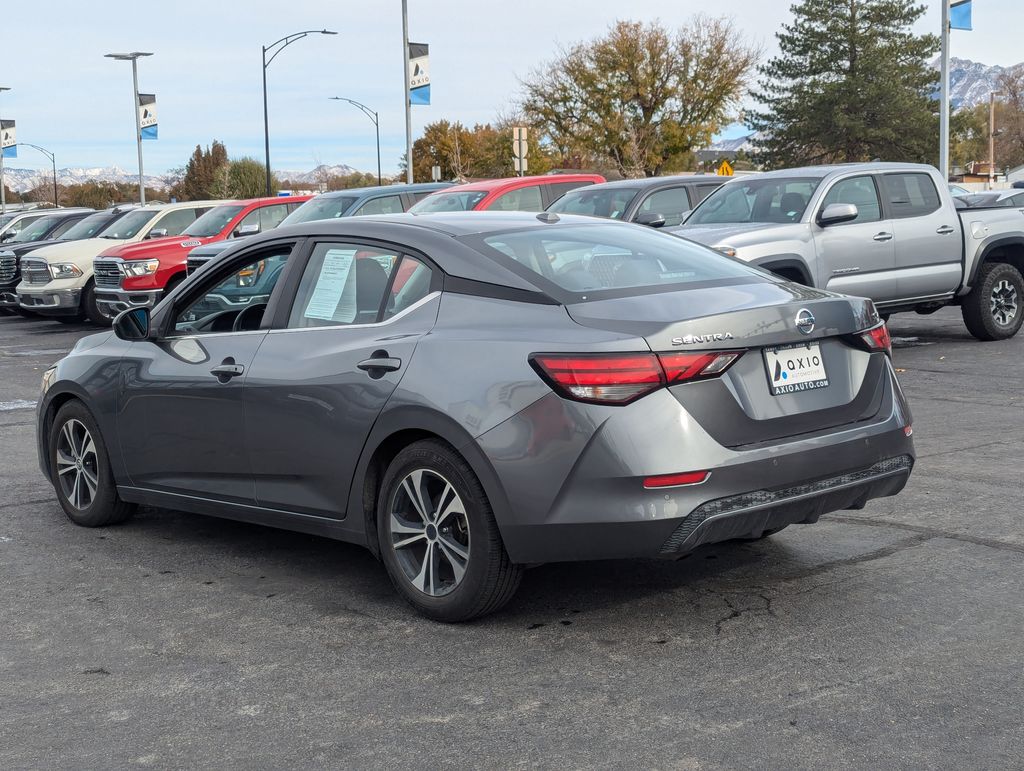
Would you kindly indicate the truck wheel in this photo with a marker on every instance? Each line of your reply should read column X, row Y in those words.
column 993, row 310
column 92, row 309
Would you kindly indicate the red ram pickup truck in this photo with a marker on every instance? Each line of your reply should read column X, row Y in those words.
column 138, row 275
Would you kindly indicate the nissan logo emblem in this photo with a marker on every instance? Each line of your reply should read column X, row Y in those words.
column 805, row 321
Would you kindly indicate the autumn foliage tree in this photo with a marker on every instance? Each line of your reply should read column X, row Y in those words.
column 642, row 96
column 484, row 151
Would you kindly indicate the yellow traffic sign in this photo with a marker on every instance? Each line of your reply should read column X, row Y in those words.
column 725, row 170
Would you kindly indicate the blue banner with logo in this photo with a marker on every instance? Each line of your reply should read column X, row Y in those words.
column 8, row 139
column 147, row 116
column 960, row 14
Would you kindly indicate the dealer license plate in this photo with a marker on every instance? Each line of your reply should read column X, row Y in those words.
column 794, row 368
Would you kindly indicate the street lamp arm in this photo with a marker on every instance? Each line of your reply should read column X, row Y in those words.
column 43, row 150
column 372, row 115
column 287, row 40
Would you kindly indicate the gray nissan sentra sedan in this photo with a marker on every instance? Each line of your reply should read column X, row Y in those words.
column 468, row 394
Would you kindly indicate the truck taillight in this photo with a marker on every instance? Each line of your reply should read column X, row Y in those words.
column 620, row 378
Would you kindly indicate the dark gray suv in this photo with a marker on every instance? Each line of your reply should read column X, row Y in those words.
column 467, row 394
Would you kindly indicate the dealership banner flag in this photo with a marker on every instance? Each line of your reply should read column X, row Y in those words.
column 419, row 74
column 147, row 115
column 960, row 14
column 8, row 139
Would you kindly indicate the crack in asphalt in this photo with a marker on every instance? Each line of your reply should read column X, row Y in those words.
column 965, row 449
column 928, row 532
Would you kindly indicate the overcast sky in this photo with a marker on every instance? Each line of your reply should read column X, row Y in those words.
column 206, row 68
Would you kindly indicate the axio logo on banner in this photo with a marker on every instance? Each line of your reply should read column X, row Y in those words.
column 8, row 139
column 147, row 116
column 419, row 73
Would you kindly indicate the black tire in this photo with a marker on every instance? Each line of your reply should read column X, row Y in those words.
column 489, row 578
column 994, row 310
column 92, row 506
column 91, row 309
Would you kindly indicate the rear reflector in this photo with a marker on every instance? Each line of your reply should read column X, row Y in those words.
column 878, row 339
column 676, row 480
column 619, row 378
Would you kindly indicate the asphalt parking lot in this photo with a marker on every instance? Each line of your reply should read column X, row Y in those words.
column 888, row 637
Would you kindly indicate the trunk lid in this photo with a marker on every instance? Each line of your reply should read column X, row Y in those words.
column 741, row 406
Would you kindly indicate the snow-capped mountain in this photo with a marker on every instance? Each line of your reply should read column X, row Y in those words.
column 971, row 82
column 23, row 180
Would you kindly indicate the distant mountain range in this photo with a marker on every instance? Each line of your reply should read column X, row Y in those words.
column 970, row 83
column 23, row 180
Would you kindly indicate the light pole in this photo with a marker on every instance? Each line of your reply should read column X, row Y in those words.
column 53, row 162
column 3, row 193
column 133, row 57
column 992, row 138
column 408, row 103
column 280, row 45
column 372, row 115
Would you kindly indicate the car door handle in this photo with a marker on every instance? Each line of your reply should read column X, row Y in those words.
column 380, row 364
column 224, row 372
column 945, row 230
column 883, row 237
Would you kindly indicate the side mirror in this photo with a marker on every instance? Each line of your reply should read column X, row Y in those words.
column 8, row 235
column 835, row 213
column 157, row 233
column 245, row 230
column 132, row 324
column 650, row 219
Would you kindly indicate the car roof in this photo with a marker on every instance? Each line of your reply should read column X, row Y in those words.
column 646, row 183
column 416, row 187
column 837, row 168
column 490, row 185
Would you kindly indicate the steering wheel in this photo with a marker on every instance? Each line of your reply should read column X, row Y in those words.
column 249, row 318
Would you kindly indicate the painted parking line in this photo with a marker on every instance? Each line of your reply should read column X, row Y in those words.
column 17, row 404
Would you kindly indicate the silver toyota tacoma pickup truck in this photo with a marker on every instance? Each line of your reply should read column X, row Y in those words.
column 886, row 231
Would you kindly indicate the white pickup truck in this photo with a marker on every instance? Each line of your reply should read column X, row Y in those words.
column 57, row 280
column 887, row 231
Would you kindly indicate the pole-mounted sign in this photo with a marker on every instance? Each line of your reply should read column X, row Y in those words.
column 520, row 149
column 419, row 73
column 960, row 14
column 8, row 139
column 147, row 116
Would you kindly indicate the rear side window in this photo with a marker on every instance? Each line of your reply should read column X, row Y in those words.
column 911, row 195
column 411, row 283
column 523, row 199
column 582, row 258
column 343, row 283
column 861, row 192
column 669, row 203
column 387, row 204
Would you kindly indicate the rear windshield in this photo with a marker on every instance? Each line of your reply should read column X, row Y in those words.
column 463, row 200
column 768, row 199
column 129, row 225
column 591, row 258
column 320, row 208
column 214, row 221
column 605, row 202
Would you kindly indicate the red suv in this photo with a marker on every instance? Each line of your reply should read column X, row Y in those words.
column 509, row 194
column 137, row 275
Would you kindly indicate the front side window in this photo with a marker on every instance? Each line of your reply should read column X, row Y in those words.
column 861, row 192
column 272, row 216
column 234, row 292
column 343, row 283
column 669, row 203
column 387, row 204
column 911, row 195
column 36, row 230
column 323, row 207
column 523, row 199
column 250, row 219
column 174, row 222
column 766, row 199
column 590, row 258
column 88, row 227
column 214, row 221
column 18, row 225
column 463, row 200
column 703, row 191
column 610, row 203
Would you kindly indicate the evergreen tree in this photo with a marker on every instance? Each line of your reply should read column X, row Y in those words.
column 852, row 83
column 205, row 174
column 247, row 178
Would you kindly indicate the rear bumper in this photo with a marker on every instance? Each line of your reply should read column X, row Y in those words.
column 51, row 302
column 112, row 302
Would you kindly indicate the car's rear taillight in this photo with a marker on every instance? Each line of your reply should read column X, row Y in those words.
column 878, row 339
column 676, row 480
column 619, row 378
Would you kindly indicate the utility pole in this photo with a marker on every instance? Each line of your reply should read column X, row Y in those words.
column 992, row 139
column 408, row 102
column 944, row 95
column 133, row 57
column 3, row 194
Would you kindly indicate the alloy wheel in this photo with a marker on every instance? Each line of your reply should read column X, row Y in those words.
column 429, row 532
column 77, row 464
column 1004, row 302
